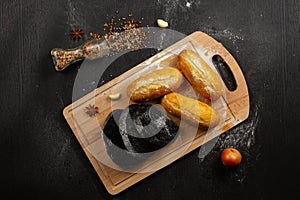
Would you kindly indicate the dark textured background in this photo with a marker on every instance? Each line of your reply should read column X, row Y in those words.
column 41, row 158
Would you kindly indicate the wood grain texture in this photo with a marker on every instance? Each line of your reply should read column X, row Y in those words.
column 88, row 131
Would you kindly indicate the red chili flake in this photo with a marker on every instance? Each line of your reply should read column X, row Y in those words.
column 95, row 36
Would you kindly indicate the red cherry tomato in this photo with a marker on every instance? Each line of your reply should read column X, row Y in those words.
column 231, row 157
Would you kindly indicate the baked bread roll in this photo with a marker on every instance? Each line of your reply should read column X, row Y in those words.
column 190, row 109
column 202, row 78
column 155, row 84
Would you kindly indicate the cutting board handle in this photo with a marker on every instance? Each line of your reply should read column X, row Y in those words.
column 238, row 99
column 215, row 48
column 235, row 70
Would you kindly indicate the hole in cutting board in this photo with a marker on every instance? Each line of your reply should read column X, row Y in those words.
column 225, row 72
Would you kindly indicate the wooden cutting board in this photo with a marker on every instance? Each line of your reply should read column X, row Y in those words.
column 233, row 106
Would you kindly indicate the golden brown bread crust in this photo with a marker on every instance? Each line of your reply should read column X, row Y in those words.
column 202, row 78
column 190, row 109
column 155, row 84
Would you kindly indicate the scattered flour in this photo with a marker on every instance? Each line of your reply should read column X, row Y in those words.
column 224, row 34
column 73, row 16
column 241, row 137
column 170, row 9
column 188, row 4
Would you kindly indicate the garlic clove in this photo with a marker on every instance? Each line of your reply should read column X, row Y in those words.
column 114, row 96
column 161, row 23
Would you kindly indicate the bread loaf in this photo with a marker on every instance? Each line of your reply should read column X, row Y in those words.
column 155, row 84
column 202, row 78
column 190, row 109
column 134, row 133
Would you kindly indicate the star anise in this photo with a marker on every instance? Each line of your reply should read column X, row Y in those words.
column 91, row 110
column 76, row 34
